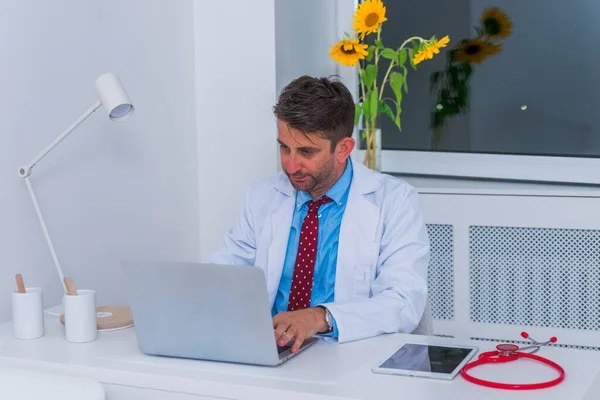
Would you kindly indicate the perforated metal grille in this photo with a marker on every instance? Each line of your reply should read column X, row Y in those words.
column 523, row 343
column 441, row 272
column 535, row 276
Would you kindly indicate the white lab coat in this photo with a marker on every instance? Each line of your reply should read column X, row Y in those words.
column 383, row 250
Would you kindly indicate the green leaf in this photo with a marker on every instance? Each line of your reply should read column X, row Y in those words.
column 379, row 44
column 467, row 69
column 370, row 52
column 411, row 55
column 390, row 54
column 366, row 108
column 405, row 80
column 402, row 54
column 386, row 109
column 357, row 113
column 416, row 48
column 370, row 75
column 373, row 104
column 396, row 82
column 453, row 70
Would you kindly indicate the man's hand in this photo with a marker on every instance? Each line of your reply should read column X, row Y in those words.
column 298, row 325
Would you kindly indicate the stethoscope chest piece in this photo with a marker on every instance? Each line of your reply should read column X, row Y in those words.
column 507, row 348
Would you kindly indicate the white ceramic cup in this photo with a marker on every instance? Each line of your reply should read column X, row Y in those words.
column 28, row 314
column 80, row 316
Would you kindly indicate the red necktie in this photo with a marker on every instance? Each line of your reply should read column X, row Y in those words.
column 304, row 268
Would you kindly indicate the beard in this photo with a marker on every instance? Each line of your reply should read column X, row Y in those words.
column 316, row 181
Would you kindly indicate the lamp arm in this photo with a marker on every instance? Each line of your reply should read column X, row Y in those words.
column 25, row 171
column 46, row 234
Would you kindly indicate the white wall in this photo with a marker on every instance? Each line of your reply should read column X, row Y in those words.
column 305, row 31
column 235, row 92
column 237, row 134
column 110, row 191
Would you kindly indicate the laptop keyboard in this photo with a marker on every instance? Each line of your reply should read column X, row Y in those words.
column 281, row 349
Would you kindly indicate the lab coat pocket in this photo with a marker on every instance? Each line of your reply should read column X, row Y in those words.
column 366, row 263
column 362, row 281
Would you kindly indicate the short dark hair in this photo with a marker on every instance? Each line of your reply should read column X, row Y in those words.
column 321, row 106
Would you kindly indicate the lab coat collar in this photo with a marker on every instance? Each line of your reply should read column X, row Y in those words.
column 284, row 185
column 364, row 179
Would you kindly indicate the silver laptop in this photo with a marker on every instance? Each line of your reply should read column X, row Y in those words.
column 204, row 311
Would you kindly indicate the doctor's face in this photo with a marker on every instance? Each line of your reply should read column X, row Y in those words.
column 308, row 160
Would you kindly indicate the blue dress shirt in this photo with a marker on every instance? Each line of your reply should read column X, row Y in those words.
column 330, row 220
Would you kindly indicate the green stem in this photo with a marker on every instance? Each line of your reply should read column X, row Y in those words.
column 392, row 64
column 373, row 147
column 362, row 84
column 385, row 78
column 370, row 144
column 377, row 58
column 364, row 95
column 377, row 48
column 410, row 40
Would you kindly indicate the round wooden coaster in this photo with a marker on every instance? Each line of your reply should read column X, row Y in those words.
column 110, row 317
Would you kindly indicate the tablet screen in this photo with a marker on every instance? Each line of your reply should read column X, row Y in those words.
column 426, row 358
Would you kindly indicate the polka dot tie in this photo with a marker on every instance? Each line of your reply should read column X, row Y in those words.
column 304, row 268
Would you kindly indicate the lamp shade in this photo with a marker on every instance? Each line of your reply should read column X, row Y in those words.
column 113, row 97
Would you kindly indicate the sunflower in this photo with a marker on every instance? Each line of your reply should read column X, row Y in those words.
column 369, row 15
column 496, row 23
column 475, row 51
column 430, row 48
column 348, row 52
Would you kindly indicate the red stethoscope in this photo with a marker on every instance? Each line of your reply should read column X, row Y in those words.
column 512, row 352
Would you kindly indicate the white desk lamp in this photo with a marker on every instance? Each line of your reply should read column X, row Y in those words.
column 113, row 97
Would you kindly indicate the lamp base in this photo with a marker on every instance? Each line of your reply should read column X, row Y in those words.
column 111, row 318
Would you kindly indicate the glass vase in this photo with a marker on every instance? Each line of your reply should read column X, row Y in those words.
column 370, row 140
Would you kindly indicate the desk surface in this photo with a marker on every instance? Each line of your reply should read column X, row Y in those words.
column 323, row 371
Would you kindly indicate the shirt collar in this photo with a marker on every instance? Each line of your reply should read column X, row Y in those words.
column 336, row 192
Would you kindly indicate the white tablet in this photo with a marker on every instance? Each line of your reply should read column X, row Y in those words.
column 426, row 360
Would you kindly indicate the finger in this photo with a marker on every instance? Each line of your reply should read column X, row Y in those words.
column 281, row 327
column 298, row 342
column 287, row 336
column 277, row 319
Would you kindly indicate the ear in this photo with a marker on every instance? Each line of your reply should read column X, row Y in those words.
column 344, row 148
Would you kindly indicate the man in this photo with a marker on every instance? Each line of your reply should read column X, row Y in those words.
column 344, row 249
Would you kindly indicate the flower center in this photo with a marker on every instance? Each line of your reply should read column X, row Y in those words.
column 351, row 50
column 371, row 20
column 492, row 26
column 472, row 49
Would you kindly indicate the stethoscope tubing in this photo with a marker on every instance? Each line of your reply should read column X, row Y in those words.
column 497, row 357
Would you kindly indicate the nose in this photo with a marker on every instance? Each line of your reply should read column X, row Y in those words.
column 291, row 165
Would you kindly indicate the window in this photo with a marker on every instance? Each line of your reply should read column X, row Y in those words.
column 531, row 110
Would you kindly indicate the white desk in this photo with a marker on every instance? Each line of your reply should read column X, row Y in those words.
column 323, row 371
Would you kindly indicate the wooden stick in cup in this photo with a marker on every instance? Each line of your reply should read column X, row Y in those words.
column 20, row 284
column 70, row 287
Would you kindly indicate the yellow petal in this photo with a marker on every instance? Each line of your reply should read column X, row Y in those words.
column 443, row 41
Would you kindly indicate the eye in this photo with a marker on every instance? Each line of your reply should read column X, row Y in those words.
column 284, row 147
column 307, row 152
